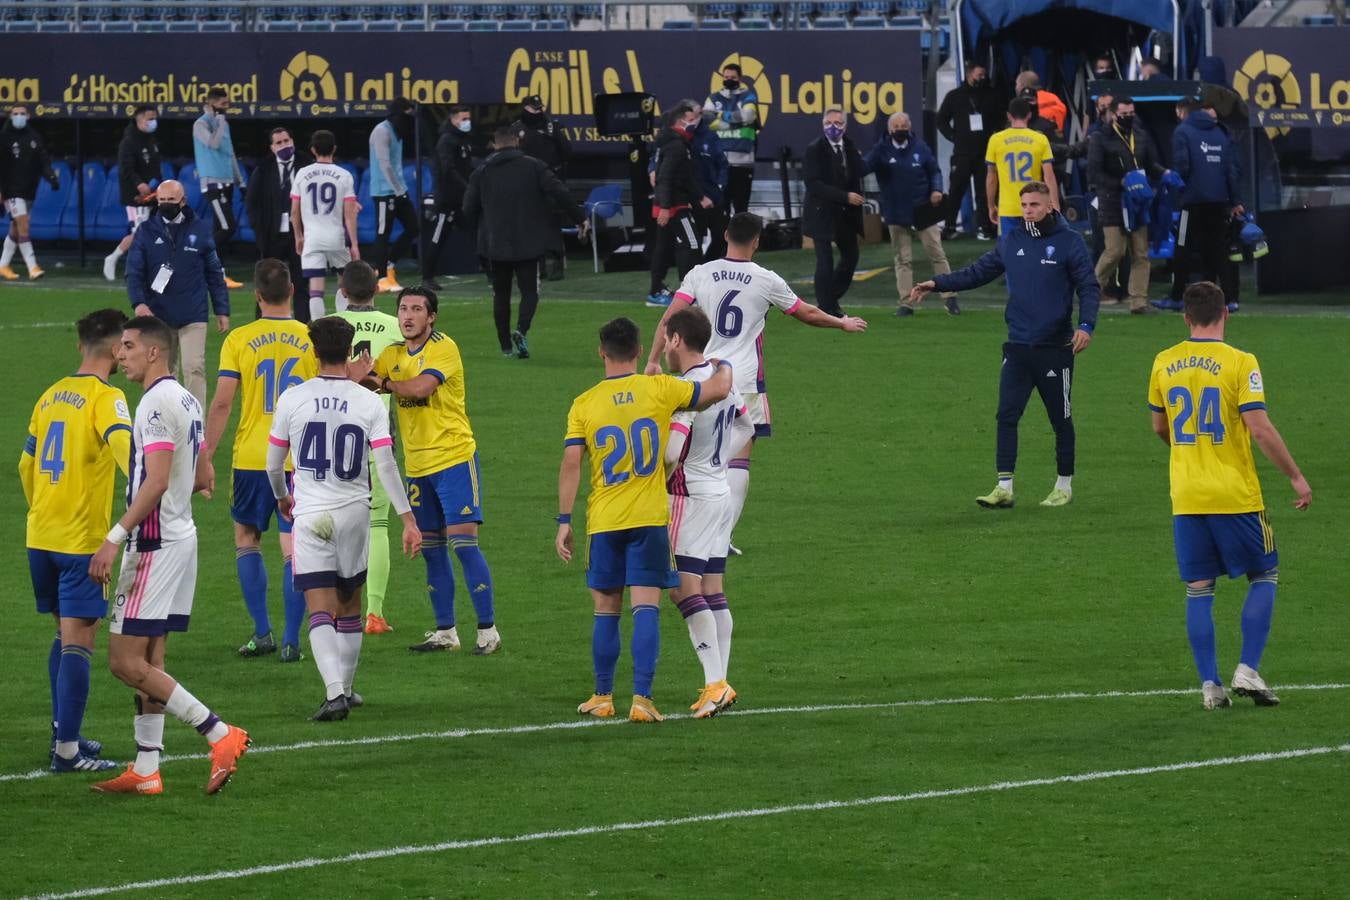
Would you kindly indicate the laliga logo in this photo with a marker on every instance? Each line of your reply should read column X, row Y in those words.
column 1267, row 80
column 308, row 78
column 752, row 70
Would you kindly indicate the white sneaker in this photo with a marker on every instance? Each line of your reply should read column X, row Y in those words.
column 1246, row 683
column 110, row 267
column 1215, row 696
column 489, row 641
column 441, row 639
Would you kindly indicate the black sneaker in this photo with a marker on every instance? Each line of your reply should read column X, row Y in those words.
column 953, row 308
column 332, row 711
column 904, row 312
column 950, row 234
column 522, row 348
column 432, row 283
column 290, row 653
column 259, row 646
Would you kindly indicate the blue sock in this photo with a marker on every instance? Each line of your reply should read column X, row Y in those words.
column 440, row 581
column 53, row 668
column 476, row 576
column 605, row 649
column 1200, row 629
column 294, row 604
column 72, row 687
column 1256, row 615
column 646, row 647
column 253, row 582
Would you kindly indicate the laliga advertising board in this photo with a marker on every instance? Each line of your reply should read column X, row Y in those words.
column 1290, row 77
column 269, row 75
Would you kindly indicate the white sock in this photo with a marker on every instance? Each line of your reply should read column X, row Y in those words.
column 739, row 482
column 149, row 743
column 316, row 308
column 190, row 711
column 29, row 257
column 116, row 254
column 7, row 256
column 67, row 749
column 703, row 635
column 1064, row 483
column 1005, row 482
column 349, row 645
column 340, row 301
column 327, row 649
column 723, row 619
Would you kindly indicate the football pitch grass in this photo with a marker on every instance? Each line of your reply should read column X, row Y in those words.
column 936, row 699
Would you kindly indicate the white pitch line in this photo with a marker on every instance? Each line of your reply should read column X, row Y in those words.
column 724, row 816
column 572, row 724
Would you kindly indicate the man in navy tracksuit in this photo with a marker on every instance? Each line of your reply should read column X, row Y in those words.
column 1204, row 156
column 1046, row 263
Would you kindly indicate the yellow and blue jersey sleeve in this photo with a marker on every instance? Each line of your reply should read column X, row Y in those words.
column 435, row 430
column 266, row 357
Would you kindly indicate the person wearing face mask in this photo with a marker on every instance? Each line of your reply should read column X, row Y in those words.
column 217, row 169
column 733, row 115
column 911, row 200
column 969, row 114
column 23, row 161
column 138, row 168
column 389, row 192
column 268, row 203
column 174, row 274
column 454, row 165
column 676, row 192
column 711, row 170
column 1103, row 69
column 833, row 169
column 1119, row 153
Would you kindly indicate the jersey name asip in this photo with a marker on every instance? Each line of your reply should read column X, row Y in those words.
column 324, row 190
column 268, row 357
column 168, row 418
column 702, row 470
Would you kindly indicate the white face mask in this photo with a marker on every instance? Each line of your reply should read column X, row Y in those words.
column 19, row 121
column 465, row 125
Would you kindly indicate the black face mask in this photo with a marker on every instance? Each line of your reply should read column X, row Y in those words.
column 1125, row 123
column 403, row 124
column 170, row 210
column 532, row 118
column 981, row 83
column 730, row 83
column 900, row 136
column 1103, row 73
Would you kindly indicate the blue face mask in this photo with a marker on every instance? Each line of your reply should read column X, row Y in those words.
column 834, row 132
column 19, row 121
column 465, row 126
column 151, row 126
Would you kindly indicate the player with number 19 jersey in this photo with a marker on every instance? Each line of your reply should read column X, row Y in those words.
column 323, row 190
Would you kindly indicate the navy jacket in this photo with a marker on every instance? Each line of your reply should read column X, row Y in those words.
column 906, row 175
column 1204, row 156
column 1045, row 265
column 710, row 163
column 189, row 248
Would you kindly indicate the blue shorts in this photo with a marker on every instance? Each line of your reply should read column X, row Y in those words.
column 638, row 557
column 251, row 500
column 1235, row 544
column 451, row 496
column 61, row 585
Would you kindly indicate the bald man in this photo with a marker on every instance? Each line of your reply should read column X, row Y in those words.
column 173, row 273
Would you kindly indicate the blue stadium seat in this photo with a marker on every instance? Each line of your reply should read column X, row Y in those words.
column 286, row 25
column 349, row 25
column 589, row 11
column 1319, row 21
column 527, row 10
column 869, row 22
column 494, row 10
column 382, row 25
column 448, row 25
column 167, row 170
column 313, row 25
column 154, row 26
column 754, row 23
column 109, row 215
column 244, row 233
column 759, row 10
column 95, row 182
column 48, row 26
column 715, row 25
column 677, row 25
column 218, row 25
column 352, row 169
column 365, row 217
column 178, row 26
column 517, row 25
column 483, row 25
column 409, row 173
column 926, row 39
column 21, row 26
column 909, row 23
column 552, row 25
column 49, row 205
column 121, row 26
column 720, row 10
column 832, row 23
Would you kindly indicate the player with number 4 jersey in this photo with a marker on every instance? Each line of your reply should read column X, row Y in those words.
column 258, row 362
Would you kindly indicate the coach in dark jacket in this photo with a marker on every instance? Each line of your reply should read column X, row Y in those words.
column 268, row 204
column 676, row 194
column 138, row 169
column 1205, row 158
column 1046, row 263
column 514, row 199
column 454, row 165
column 833, row 169
column 173, row 272
column 969, row 114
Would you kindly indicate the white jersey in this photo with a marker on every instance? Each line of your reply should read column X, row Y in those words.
column 702, row 470
column 328, row 422
column 168, row 418
column 324, row 190
column 737, row 296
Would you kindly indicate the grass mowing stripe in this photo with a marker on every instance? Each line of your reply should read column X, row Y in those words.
column 725, row 816
column 573, row 724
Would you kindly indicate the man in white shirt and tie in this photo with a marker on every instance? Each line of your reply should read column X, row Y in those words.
column 268, row 205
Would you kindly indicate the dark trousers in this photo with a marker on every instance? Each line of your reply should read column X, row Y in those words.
column 678, row 241
column 1050, row 371
column 439, row 236
column 220, row 203
column 1202, row 249
column 282, row 247
column 832, row 281
column 739, row 181
column 525, row 272
column 966, row 167
column 387, row 211
column 713, row 223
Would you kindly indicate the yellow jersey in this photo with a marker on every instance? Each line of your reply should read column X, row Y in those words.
column 1204, row 387
column 622, row 422
column 266, row 357
column 79, row 427
column 1018, row 155
column 436, row 432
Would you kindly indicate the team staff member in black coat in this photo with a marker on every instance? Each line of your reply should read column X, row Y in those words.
column 514, row 198
column 541, row 137
column 968, row 115
column 138, row 167
column 676, row 191
column 454, row 165
column 268, row 204
column 23, row 161
column 833, row 171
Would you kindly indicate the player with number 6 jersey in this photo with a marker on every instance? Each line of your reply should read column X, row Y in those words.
column 258, row 363
column 323, row 216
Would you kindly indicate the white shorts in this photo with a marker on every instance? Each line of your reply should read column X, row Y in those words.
column 136, row 216
column 17, row 206
column 155, row 590
column 314, row 263
column 331, row 548
column 700, row 530
column 758, row 407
